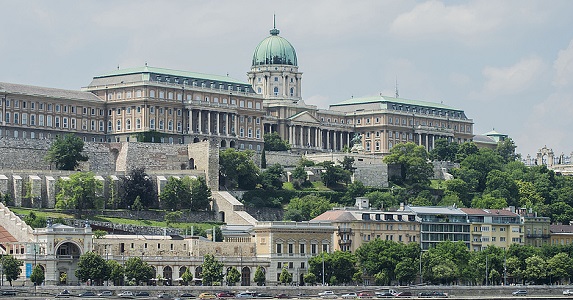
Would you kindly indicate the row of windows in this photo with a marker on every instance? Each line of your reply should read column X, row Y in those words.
column 289, row 265
column 388, row 237
column 427, row 111
column 52, row 107
column 487, row 239
column 51, row 121
column 185, row 81
column 301, row 248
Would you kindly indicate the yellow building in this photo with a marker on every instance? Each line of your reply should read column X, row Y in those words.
column 358, row 225
column 290, row 245
column 495, row 227
column 561, row 234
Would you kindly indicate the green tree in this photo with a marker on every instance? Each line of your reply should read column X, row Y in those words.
column 138, row 270
column 66, row 152
column 379, row 258
column 309, row 278
column 237, row 169
column 187, row 276
column 506, row 149
column 488, row 201
column 500, row 185
column 536, row 269
column 460, row 189
column 98, row 234
column 11, row 267
column 481, row 163
column 201, row 194
column 138, row 183
column 137, row 205
column 528, row 195
column 444, row 150
column 413, row 162
column 334, row 174
column 35, row 221
column 264, row 159
column 306, row 208
column 406, row 271
column 212, row 270
column 347, row 164
column 175, row 195
column 273, row 142
column 172, row 217
column 260, row 277
column 116, row 272
column 93, row 267
column 465, row 150
column 353, row 190
column 380, row 200
column 272, row 177
column 233, row 276
column 37, row 277
column 285, row 277
column 80, row 192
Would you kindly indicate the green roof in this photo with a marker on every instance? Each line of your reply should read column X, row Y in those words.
column 169, row 72
column 386, row 99
column 274, row 50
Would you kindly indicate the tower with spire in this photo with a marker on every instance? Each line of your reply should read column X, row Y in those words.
column 274, row 70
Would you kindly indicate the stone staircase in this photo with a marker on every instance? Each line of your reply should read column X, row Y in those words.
column 15, row 226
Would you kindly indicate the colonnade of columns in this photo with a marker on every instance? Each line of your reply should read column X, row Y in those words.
column 212, row 122
column 428, row 140
column 301, row 136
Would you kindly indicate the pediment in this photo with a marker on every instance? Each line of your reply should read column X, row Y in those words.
column 305, row 117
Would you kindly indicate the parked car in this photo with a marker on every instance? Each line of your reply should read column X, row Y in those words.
column 365, row 295
column 105, row 294
column 263, row 295
column 141, row 294
column 164, row 296
column 327, row 294
column 64, row 294
column 282, row 296
column 520, row 293
column 384, row 295
column 349, row 296
column 126, row 295
column 225, row 295
column 88, row 294
column 568, row 292
column 186, row 295
column 207, row 296
column 404, row 295
column 246, row 294
column 8, row 293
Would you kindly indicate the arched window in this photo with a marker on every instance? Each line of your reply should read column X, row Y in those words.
column 128, row 124
column 276, row 91
column 118, row 127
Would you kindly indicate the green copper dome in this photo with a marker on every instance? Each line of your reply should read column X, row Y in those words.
column 274, row 50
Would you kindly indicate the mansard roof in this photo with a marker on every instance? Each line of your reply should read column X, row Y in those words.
column 30, row 90
column 385, row 101
column 147, row 73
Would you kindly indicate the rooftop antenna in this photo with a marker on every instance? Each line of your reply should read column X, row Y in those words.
column 274, row 31
column 397, row 95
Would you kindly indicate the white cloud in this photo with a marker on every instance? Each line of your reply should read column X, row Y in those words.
column 563, row 66
column 513, row 79
column 434, row 17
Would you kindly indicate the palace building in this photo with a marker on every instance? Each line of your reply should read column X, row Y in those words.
column 170, row 106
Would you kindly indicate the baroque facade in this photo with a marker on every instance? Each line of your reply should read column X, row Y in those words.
column 172, row 106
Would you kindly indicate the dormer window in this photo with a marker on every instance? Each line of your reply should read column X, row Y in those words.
column 158, row 78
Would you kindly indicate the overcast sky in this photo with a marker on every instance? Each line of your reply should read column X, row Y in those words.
column 507, row 64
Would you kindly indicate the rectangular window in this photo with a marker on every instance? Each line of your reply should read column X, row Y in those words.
column 279, row 248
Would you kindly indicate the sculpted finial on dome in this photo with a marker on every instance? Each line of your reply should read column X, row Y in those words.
column 274, row 31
